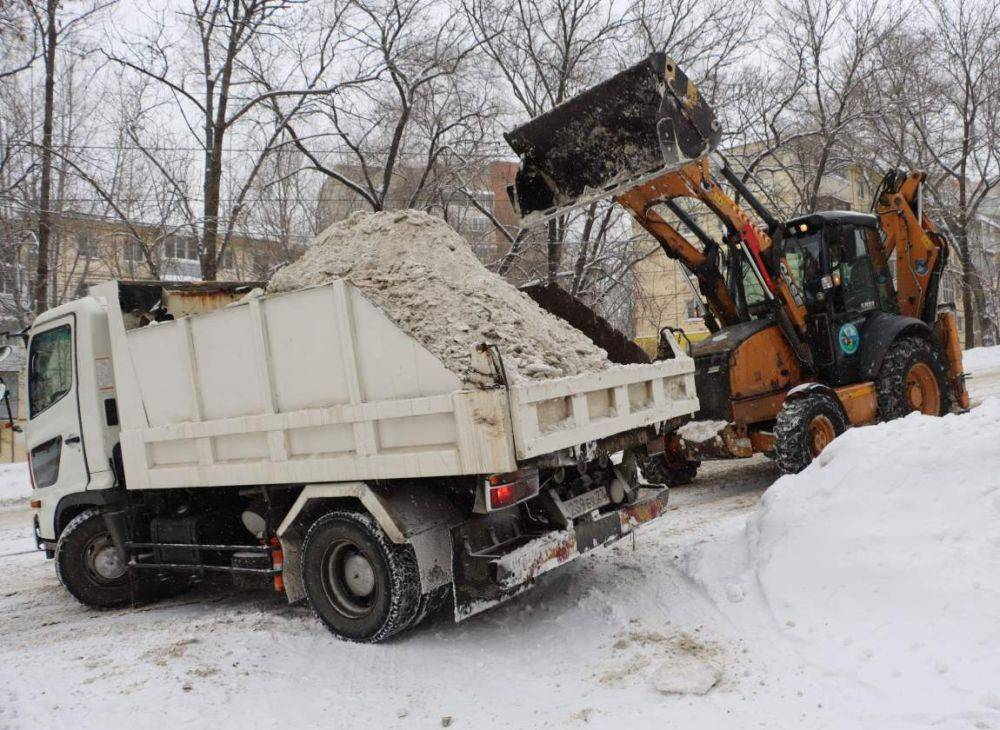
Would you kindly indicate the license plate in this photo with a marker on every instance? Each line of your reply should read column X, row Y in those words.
column 586, row 502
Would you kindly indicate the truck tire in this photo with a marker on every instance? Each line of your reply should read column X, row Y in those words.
column 912, row 377
column 362, row 586
column 804, row 427
column 88, row 565
column 430, row 603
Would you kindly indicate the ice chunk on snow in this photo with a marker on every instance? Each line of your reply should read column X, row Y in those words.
column 687, row 674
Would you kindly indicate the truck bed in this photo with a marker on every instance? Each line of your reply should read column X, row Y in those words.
column 318, row 385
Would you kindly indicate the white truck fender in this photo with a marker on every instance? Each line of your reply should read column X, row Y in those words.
column 356, row 490
column 417, row 514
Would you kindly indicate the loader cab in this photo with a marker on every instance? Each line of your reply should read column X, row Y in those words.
column 835, row 257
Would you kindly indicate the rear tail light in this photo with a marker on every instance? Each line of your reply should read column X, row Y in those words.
column 505, row 490
column 502, row 496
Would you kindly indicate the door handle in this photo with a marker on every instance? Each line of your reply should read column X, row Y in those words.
column 72, row 440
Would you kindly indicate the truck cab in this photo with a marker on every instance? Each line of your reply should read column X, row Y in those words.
column 72, row 419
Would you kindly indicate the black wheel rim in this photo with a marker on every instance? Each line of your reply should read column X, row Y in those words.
column 102, row 562
column 349, row 579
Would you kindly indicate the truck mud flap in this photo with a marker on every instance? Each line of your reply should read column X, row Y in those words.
column 641, row 122
column 484, row 580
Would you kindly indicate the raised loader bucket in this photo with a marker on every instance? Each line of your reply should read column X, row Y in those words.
column 639, row 123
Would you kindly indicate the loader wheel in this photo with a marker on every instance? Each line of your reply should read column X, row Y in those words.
column 657, row 470
column 88, row 565
column 912, row 378
column 804, row 427
column 362, row 586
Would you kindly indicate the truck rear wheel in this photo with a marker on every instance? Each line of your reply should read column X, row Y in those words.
column 804, row 427
column 362, row 586
column 912, row 378
column 88, row 564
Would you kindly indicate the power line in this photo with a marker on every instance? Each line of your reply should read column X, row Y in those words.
column 173, row 148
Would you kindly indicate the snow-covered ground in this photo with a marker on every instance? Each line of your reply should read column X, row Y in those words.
column 983, row 364
column 862, row 593
column 15, row 486
column 580, row 648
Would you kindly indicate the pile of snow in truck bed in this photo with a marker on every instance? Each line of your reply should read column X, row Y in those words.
column 425, row 277
column 883, row 572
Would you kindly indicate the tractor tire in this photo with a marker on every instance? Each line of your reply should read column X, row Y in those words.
column 656, row 470
column 363, row 587
column 88, row 565
column 804, row 427
column 913, row 377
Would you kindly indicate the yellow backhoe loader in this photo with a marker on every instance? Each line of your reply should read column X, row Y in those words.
column 818, row 323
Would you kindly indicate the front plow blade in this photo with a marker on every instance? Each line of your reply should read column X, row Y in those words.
column 642, row 122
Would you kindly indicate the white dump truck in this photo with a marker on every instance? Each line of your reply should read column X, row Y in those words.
column 305, row 440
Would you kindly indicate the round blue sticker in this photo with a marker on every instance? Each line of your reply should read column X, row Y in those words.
column 849, row 338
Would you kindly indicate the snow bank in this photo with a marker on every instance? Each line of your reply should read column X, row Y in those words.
column 881, row 562
column 981, row 358
column 15, row 486
column 428, row 281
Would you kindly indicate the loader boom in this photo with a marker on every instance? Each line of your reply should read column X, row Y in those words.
column 920, row 248
column 747, row 239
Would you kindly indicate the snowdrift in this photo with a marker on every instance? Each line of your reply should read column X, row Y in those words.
column 881, row 562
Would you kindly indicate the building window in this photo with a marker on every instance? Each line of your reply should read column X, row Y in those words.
column 694, row 309
column 130, row 248
column 85, row 243
column 184, row 248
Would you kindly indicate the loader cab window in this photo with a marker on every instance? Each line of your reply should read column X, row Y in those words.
column 850, row 262
column 50, row 368
column 804, row 254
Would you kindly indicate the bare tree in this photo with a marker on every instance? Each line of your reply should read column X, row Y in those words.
column 233, row 42
column 949, row 125
column 52, row 27
column 412, row 115
column 543, row 53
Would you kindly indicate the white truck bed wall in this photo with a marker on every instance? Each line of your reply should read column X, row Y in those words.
column 551, row 415
column 318, row 385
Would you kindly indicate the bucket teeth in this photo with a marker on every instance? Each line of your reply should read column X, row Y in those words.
column 637, row 124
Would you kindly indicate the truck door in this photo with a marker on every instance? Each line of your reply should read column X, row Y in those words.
column 54, row 438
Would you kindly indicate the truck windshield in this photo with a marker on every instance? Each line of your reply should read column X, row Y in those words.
column 50, row 368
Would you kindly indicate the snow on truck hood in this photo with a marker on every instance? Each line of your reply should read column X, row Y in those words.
column 880, row 563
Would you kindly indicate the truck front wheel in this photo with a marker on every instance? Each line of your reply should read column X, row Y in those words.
column 88, row 564
column 361, row 585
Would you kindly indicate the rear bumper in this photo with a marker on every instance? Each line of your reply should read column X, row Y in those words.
column 516, row 571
